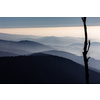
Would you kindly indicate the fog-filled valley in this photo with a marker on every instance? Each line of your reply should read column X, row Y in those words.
column 32, row 44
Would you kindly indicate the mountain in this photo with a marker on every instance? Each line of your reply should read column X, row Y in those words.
column 67, row 55
column 72, row 45
column 15, row 37
column 3, row 54
column 14, row 50
column 93, row 63
column 22, row 47
column 52, row 40
column 68, row 44
column 43, row 69
column 77, row 48
column 32, row 46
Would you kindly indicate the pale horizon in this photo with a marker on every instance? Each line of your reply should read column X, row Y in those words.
column 93, row 31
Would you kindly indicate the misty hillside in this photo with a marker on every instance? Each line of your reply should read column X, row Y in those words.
column 71, row 44
column 3, row 54
column 43, row 68
column 52, row 40
column 93, row 63
column 67, row 55
column 22, row 47
column 32, row 46
column 68, row 44
column 77, row 48
column 13, row 37
column 14, row 51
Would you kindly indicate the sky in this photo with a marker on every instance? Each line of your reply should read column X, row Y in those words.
column 50, row 26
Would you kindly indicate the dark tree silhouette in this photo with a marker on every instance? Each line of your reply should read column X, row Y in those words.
column 86, row 49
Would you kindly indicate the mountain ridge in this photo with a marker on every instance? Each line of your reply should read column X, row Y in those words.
column 78, row 59
column 24, row 45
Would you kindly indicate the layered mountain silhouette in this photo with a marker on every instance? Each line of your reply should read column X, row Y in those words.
column 42, row 68
column 68, row 44
column 13, row 37
column 77, row 48
column 42, row 62
column 93, row 63
column 3, row 54
column 25, row 47
column 52, row 40
column 22, row 47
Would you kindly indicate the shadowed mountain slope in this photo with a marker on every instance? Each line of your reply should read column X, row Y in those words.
column 93, row 64
column 43, row 68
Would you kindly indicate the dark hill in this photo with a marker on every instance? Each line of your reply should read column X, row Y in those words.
column 43, row 68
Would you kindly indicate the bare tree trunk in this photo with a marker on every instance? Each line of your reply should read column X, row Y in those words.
column 86, row 49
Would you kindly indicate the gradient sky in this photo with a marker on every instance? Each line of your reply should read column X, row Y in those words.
column 50, row 26
column 32, row 22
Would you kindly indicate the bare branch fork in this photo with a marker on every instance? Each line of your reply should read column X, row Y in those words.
column 86, row 49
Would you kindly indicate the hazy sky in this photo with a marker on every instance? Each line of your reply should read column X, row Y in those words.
column 50, row 26
column 30, row 22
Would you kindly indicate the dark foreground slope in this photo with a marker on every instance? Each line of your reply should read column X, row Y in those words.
column 43, row 68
